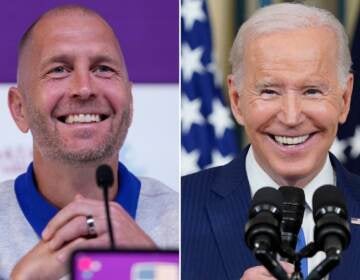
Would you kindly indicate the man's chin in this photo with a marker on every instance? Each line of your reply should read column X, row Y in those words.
column 84, row 156
column 296, row 178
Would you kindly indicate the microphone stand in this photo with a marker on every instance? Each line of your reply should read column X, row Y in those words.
column 307, row 252
column 267, row 258
column 322, row 269
column 104, row 180
column 108, row 220
column 270, row 262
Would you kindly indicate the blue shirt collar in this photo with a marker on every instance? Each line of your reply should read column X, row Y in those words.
column 38, row 211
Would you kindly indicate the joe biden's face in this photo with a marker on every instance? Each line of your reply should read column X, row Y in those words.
column 290, row 101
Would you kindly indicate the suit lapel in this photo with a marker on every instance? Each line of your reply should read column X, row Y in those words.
column 227, row 209
column 228, row 205
column 350, row 187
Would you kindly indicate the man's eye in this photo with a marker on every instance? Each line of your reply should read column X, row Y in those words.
column 104, row 71
column 58, row 72
column 312, row 91
column 269, row 92
column 59, row 69
column 104, row 68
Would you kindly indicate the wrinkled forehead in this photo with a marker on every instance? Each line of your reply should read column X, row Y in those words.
column 73, row 23
column 297, row 46
column 292, row 57
column 69, row 32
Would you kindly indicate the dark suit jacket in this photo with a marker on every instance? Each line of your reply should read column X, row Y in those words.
column 215, row 205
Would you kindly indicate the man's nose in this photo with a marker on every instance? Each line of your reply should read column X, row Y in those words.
column 82, row 85
column 291, row 113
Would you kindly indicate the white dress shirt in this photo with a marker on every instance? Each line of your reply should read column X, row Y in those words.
column 258, row 179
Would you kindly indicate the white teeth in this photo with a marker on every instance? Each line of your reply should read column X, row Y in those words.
column 82, row 118
column 284, row 140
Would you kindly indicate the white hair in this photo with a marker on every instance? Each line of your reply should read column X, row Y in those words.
column 289, row 16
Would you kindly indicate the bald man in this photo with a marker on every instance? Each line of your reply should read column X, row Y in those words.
column 74, row 95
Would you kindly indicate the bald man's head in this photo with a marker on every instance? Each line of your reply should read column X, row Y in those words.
column 36, row 30
column 73, row 91
column 67, row 9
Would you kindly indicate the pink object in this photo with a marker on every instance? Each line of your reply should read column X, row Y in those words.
column 84, row 264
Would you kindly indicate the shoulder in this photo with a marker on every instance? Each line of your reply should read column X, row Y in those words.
column 202, row 177
column 196, row 187
column 155, row 194
column 204, row 180
column 7, row 191
column 355, row 178
column 153, row 191
column 352, row 187
column 16, row 236
column 158, row 212
column 6, row 184
column 151, row 186
column 8, row 199
column 346, row 180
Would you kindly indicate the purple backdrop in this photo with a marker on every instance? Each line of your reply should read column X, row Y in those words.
column 147, row 29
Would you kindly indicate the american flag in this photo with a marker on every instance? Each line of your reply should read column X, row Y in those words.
column 207, row 128
column 347, row 144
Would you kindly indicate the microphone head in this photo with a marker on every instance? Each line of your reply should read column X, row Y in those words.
column 332, row 230
column 265, row 197
column 264, row 219
column 292, row 195
column 104, row 176
column 328, row 196
column 293, row 206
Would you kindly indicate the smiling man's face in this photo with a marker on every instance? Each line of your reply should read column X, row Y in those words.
column 291, row 101
column 75, row 94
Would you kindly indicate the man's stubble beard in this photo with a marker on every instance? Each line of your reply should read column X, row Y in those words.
column 50, row 145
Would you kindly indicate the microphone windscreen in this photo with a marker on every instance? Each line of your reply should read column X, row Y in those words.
column 104, row 176
column 267, row 195
column 293, row 195
column 292, row 207
column 328, row 195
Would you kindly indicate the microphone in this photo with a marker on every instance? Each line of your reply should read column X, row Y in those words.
column 332, row 230
column 262, row 231
column 292, row 206
column 104, row 180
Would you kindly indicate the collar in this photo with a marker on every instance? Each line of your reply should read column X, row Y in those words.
column 258, row 178
column 38, row 211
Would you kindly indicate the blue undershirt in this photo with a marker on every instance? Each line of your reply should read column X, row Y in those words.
column 38, row 211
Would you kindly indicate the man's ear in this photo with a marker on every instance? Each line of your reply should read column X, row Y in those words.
column 130, row 85
column 346, row 99
column 17, row 109
column 234, row 100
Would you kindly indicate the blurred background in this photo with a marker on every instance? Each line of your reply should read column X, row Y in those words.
column 149, row 36
column 209, row 134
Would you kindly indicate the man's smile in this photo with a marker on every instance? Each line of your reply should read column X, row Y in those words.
column 82, row 118
column 290, row 140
